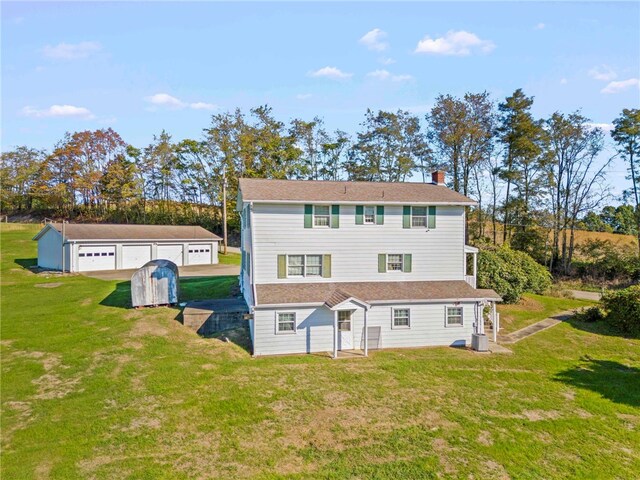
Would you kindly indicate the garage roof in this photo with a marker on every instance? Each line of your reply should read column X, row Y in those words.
column 101, row 231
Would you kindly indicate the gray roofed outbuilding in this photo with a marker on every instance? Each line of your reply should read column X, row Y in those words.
column 268, row 190
column 102, row 231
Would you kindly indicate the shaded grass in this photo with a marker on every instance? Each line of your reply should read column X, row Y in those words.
column 533, row 308
column 96, row 391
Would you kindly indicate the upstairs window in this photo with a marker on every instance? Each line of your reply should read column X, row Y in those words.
column 369, row 214
column 394, row 262
column 321, row 216
column 418, row 216
column 304, row 265
column 313, row 266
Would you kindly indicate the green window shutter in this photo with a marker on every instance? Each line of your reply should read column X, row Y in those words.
column 359, row 215
column 431, row 220
column 308, row 216
column 326, row 266
column 382, row 263
column 406, row 263
column 406, row 216
column 335, row 216
column 380, row 215
column 282, row 266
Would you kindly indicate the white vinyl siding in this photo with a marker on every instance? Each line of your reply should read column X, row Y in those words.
column 314, row 329
column 437, row 254
column 454, row 316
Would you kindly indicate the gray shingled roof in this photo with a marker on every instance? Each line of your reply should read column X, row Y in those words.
column 267, row 190
column 94, row 231
column 370, row 292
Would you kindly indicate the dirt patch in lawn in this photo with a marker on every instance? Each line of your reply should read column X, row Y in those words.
column 537, row 415
column 147, row 326
column 48, row 285
column 485, row 438
column 444, row 451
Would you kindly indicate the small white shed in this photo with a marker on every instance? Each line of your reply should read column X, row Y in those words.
column 91, row 247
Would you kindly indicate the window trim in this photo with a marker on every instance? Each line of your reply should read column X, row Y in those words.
column 277, row 324
column 389, row 270
column 446, row 317
column 314, row 215
column 425, row 216
column 393, row 319
column 373, row 215
column 305, row 264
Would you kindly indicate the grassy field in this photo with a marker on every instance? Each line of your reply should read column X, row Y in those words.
column 230, row 258
column 91, row 389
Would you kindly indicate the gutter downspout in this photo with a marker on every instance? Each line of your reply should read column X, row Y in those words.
column 253, row 269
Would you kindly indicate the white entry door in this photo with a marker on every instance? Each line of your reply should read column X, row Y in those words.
column 200, row 254
column 91, row 258
column 345, row 330
column 135, row 256
column 171, row 252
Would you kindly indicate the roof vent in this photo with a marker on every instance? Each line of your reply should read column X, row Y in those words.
column 437, row 177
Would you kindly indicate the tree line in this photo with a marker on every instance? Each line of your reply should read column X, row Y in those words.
column 536, row 180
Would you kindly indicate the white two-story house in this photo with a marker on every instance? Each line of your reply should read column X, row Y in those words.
column 330, row 266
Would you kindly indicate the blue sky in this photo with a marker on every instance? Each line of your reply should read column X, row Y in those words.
column 142, row 67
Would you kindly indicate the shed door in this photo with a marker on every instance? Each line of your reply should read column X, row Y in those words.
column 200, row 254
column 135, row 256
column 171, row 252
column 98, row 257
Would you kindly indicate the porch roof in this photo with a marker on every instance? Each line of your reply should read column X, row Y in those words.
column 331, row 294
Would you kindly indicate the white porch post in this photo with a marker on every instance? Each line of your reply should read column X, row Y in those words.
column 366, row 333
column 335, row 334
column 475, row 270
column 494, row 321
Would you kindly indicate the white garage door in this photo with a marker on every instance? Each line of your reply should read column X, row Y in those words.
column 200, row 254
column 91, row 258
column 135, row 256
column 171, row 252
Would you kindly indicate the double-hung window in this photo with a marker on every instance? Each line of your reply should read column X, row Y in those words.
column 304, row 265
column 370, row 214
column 394, row 262
column 286, row 322
column 418, row 216
column 454, row 316
column 401, row 318
column 321, row 215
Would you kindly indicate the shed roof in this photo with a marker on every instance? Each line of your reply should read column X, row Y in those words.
column 102, row 231
column 370, row 292
column 268, row 190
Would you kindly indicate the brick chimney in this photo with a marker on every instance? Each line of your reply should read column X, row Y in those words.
column 437, row 177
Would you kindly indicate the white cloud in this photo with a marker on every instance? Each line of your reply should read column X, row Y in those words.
column 607, row 127
column 386, row 60
column 540, row 26
column 331, row 72
column 603, row 73
column 71, row 51
column 563, row 81
column 458, row 43
column 303, row 96
column 617, row 87
column 374, row 40
column 202, row 106
column 58, row 111
column 386, row 75
column 169, row 101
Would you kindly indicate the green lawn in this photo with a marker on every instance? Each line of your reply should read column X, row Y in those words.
column 91, row 389
column 230, row 258
column 533, row 308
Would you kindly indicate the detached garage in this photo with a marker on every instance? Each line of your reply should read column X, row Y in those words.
column 91, row 247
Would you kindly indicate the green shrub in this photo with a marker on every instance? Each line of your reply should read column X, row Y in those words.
column 511, row 273
column 590, row 315
column 623, row 310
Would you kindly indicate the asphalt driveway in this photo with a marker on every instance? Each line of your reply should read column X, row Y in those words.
column 188, row 271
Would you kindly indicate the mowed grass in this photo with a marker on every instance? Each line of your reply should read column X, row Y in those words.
column 533, row 308
column 91, row 389
column 230, row 258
